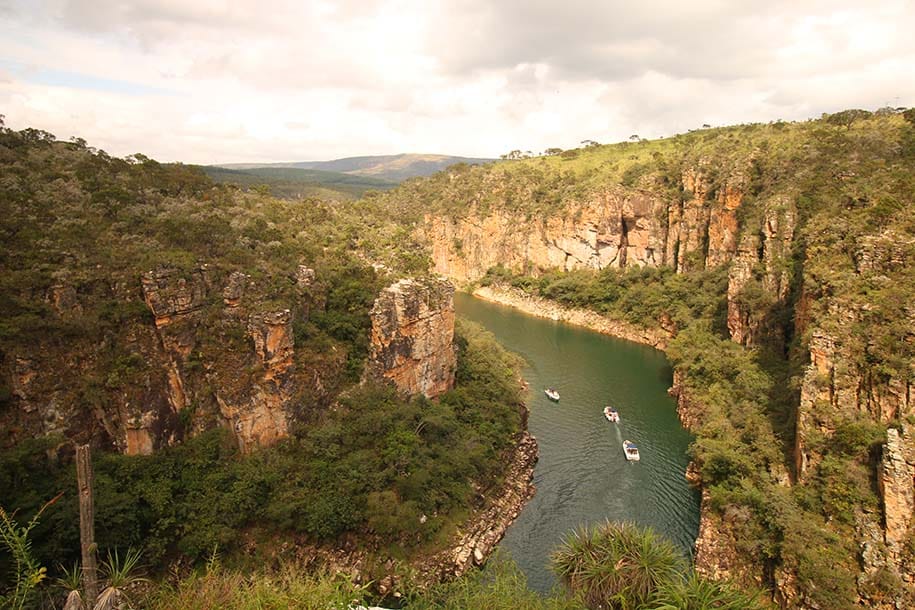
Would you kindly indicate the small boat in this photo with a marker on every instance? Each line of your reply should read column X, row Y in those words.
column 552, row 394
column 631, row 451
column 611, row 414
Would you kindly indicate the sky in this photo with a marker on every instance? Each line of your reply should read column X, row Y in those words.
column 218, row 81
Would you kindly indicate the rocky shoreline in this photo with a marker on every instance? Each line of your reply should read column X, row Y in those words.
column 479, row 537
column 544, row 308
column 473, row 543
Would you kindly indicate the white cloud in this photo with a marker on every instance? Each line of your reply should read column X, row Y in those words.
column 212, row 80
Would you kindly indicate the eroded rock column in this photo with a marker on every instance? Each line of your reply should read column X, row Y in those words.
column 413, row 336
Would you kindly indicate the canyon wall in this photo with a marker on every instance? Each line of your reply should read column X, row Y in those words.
column 616, row 227
column 412, row 341
column 784, row 294
column 209, row 353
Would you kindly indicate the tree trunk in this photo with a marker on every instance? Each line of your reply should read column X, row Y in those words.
column 84, row 478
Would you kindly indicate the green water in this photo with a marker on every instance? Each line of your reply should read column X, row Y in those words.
column 582, row 475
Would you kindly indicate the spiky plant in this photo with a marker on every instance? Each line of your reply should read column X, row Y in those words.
column 120, row 574
column 69, row 581
column 617, row 565
column 697, row 593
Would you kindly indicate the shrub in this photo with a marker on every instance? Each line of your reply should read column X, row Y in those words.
column 617, row 565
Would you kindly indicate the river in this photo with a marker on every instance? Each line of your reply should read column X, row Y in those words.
column 582, row 476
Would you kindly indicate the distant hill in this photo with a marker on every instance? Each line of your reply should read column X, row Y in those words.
column 392, row 168
column 291, row 182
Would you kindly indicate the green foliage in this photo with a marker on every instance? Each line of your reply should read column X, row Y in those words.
column 374, row 467
column 297, row 183
column 617, row 565
column 499, row 586
column 290, row 587
column 697, row 593
column 643, row 295
column 27, row 574
column 119, row 574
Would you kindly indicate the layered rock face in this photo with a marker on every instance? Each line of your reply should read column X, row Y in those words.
column 836, row 387
column 896, row 476
column 618, row 228
column 174, row 300
column 257, row 413
column 412, row 340
column 759, row 278
column 209, row 355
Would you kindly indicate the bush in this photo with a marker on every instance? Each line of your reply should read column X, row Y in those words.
column 617, row 565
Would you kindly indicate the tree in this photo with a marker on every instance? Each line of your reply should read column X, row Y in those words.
column 552, row 151
column 634, row 137
column 846, row 118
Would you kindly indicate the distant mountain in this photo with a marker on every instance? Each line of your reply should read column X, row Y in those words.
column 392, row 168
column 293, row 182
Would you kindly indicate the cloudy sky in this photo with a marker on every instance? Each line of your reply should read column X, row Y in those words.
column 208, row 81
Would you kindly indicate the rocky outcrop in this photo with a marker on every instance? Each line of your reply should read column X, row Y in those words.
column 759, row 279
column 234, row 289
column 836, row 388
column 304, row 276
column 896, row 481
column 688, row 412
column 717, row 557
column 614, row 226
column 703, row 227
column 170, row 294
column 257, row 411
column 543, row 308
column 64, row 299
column 412, row 341
column 173, row 298
column 617, row 227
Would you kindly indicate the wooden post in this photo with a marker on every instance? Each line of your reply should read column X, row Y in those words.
column 84, row 479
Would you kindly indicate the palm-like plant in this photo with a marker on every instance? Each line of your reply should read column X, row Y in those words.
column 617, row 565
column 120, row 575
column 69, row 581
column 697, row 593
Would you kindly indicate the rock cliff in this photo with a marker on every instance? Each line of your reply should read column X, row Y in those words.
column 614, row 227
column 208, row 353
column 412, row 341
column 789, row 293
column 896, row 477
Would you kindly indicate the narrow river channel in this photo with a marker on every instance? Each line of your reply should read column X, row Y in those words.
column 582, row 476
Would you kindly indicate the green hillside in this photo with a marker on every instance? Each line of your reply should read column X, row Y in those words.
column 391, row 168
column 292, row 182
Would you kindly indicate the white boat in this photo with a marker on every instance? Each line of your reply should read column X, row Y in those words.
column 611, row 414
column 552, row 394
column 631, row 451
